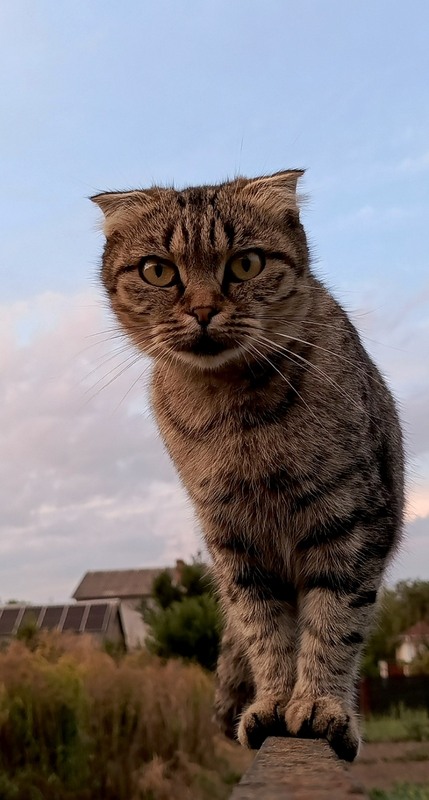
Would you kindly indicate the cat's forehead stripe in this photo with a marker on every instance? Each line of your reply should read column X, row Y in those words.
column 168, row 235
column 229, row 230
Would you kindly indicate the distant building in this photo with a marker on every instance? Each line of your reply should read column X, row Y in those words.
column 107, row 607
column 131, row 586
column 412, row 642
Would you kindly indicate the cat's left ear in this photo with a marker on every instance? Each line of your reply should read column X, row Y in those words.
column 277, row 192
column 121, row 208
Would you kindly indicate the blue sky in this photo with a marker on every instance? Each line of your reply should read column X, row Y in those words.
column 105, row 96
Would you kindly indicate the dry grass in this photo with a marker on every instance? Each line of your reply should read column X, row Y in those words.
column 75, row 724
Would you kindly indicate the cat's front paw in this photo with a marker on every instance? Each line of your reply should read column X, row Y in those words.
column 327, row 718
column 261, row 719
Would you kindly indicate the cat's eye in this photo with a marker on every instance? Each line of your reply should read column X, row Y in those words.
column 158, row 272
column 244, row 266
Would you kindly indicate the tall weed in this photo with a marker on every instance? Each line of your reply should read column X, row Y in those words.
column 77, row 724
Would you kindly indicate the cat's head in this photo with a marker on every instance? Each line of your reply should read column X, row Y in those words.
column 202, row 275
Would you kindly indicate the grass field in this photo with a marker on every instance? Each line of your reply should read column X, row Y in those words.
column 401, row 725
column 401, row 792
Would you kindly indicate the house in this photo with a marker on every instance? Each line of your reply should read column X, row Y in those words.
column 130, row 586
column 105, row 621
column 107, row 607
column 412, row 642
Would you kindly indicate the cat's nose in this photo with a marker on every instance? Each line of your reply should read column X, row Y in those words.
column 204, row 313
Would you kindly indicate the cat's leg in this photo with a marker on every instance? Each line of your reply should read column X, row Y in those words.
column 235, row 688
column 261, row 607
column 333, row 619
column 269, row 636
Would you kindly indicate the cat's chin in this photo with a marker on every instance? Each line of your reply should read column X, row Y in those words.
column 209, row 362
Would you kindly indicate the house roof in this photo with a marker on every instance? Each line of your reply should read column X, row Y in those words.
column 94, row 617
column 418, row 631
column 78, row 617
column 117, row 583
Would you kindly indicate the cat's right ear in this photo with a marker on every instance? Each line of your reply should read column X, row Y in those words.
column 121, row 208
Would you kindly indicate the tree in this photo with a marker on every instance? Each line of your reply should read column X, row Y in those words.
column 164, row 591
column 382, row 641
column 188, row 629
column 420, row 664
column 184, row 618
column 400, row 607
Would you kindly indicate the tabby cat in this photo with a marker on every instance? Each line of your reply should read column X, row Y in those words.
column 283, row 433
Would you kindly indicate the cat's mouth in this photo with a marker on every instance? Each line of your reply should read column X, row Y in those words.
column 207, row 352
column 207, row 346
column 204, row 345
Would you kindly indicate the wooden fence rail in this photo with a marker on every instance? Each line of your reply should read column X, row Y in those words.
column 297, row 769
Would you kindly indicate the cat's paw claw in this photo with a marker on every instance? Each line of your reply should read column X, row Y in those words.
column 261, row 719
column 327, row 718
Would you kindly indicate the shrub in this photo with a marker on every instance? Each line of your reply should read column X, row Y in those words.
column 189, row 629
column 77, row 724
column 184, row 618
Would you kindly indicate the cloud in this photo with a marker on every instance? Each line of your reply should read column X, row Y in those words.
column 412, row 560
column 376, row 216
column 414, row 164
column 418, row 505
column 84, row 482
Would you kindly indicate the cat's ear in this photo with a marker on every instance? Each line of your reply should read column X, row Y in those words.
column 277, row 193
column 121, row 208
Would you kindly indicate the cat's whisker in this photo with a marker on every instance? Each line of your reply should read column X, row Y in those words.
column 326, row 350
column 120, row 337
column 105, row 359
column 315, row 417
column 115, row 329
column 291, row 356
column 305, row 322
column 168, row 356
column 126, row 347
column 325, row 326
column 139, row 377
column 125, row 365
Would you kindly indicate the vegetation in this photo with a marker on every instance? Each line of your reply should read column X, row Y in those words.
column 399, row 608
column 404, row 791
column 420, row 665
column 402, row 724
column 81, row 722
column 184, row 618
column 77, row 724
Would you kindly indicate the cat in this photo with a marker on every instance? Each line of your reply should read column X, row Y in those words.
column 283, row 433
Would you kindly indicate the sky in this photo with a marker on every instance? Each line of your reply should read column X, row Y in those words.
column 101, row 96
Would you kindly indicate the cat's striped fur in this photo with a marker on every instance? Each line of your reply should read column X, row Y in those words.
column 284, row 434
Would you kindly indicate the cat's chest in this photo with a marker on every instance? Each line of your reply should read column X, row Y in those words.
column 249, row 445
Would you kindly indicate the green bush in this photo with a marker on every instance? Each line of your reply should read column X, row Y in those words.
column 184, row 617
column 189, row 629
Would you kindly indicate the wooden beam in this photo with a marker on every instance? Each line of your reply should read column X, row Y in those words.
column 297, row 769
